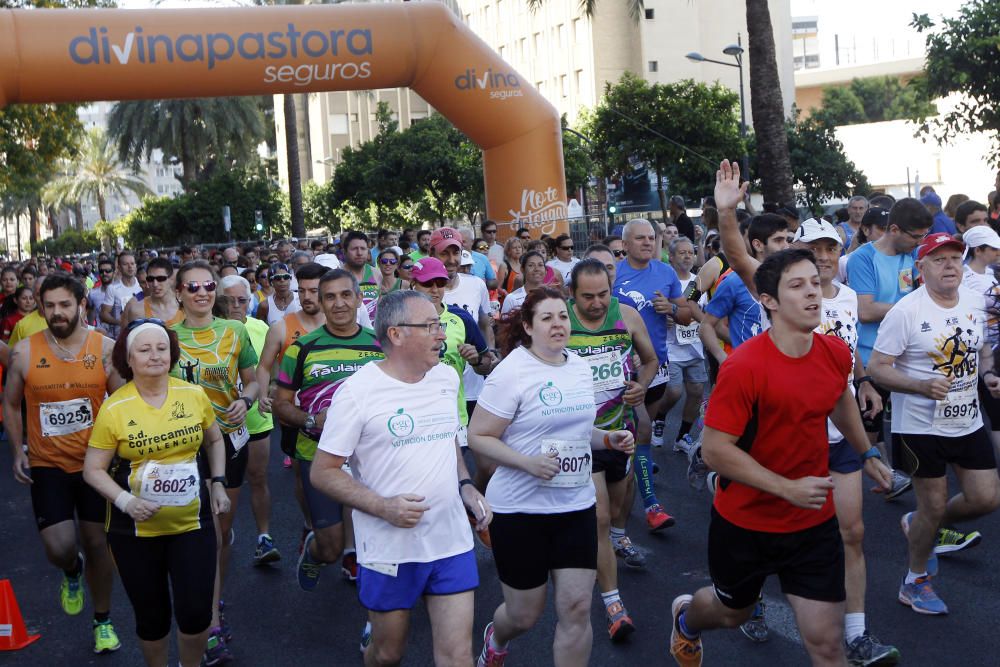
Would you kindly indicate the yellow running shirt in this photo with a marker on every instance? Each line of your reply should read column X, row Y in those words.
column 156, row 457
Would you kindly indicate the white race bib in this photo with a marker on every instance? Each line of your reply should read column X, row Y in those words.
column 608, row 371
column 65, row 417
column 240, row 437
column 686, row 334
column 388, row 569
column 958, row 410
column 170, row 484
column 574, row 457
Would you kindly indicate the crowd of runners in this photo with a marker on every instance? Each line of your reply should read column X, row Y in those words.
column 435, row 389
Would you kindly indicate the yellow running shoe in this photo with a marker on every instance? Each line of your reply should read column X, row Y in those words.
column 71, row 594
column 105, row 638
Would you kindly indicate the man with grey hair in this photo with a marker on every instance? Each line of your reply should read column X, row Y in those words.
column 396, row 421
column 857, row 206
column 481, row 267
column 230, row 255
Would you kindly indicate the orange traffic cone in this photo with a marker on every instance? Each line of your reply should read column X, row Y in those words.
column 12, row 633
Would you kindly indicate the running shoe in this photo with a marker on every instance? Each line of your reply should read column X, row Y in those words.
column 308, row 569
column 216, row 651
column 657, row 439
column 625, row 550
column 657, row 519
column 71, row 593
column 287, row 462
column 366, row 637
column 302, row 538
column 684, row 444
column 490, row 657
column 932, row 560
column 349, row 565
column 712, row 481
column 697, row 470
column 105, row 638
column 949, row 541
column 620, row 624
column 482, row 535
column 900, row 484
column 686, row 652
column 921, row 598
column 756, row 628
column 868, row 650
column 266, row 552
column 227, row 632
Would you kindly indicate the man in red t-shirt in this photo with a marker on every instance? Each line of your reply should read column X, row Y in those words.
column 765, row 434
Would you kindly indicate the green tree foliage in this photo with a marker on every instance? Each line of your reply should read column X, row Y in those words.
column 963, row 56
column 202, row 135
column 70, row 242
column 704, row 118
column 93, row 175
column 577, row 159
column 196, row 215
column 872, row 100
column 820, row 169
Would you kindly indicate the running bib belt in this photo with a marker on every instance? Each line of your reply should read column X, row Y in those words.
column 608, row 351
column 574, row 459
column 170, row 484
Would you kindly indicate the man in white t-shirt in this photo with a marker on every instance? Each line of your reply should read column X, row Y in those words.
column 468, row 293
column 396, row 422
column 564, row 261
column 927, row 352
column 120, row 293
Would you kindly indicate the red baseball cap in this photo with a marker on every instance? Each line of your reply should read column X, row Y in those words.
column 937, row 241
column 427, row 269
column 444, row 237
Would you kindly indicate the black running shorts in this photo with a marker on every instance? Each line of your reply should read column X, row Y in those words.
column 809, row 563
column 57, row 496
column 527, row 546
column 928, row 455
column 614, row 465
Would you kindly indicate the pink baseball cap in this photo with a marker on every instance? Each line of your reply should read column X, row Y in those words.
column 428, row 269
column 444, row 237
column 937, row 241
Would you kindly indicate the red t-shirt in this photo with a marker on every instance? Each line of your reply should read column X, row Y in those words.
column 778, row 406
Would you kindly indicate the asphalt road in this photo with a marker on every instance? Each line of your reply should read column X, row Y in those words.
column 275, row 623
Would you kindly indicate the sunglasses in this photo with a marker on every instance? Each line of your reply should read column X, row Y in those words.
column 193, row 286
column 436, row 282
column 388, row 261
column 566, row 247
column 482, row 248
column 618, row 253
column 406, row 267
column 282, row 276
column 145, row 320
column 157, row 279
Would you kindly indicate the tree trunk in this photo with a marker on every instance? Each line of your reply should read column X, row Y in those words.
column 78, row 214
column 102, row 207
column 664, row 208
column 34, row 218
column 774, row 165
column 294, row 172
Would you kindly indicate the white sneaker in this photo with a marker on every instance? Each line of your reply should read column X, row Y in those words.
column 657, row 439
column 684, row 444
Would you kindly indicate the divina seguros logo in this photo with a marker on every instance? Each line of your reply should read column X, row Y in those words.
column 501, row 85
column 99, row 47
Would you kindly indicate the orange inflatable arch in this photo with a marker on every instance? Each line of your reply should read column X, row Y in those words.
column 113, row 54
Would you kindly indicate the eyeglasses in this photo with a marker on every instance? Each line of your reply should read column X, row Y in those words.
column 242, row 300
column 388, row 261
column 618, row 253
column 193, row 286
column 281, row 276
column 145, row 320
column 406, row 267
column 915, row 237
column 433, row 328
column 490, row 231
column 434, row 282
column 157, row 279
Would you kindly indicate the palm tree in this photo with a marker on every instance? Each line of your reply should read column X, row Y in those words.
column 94, row 175
column 197, row 133
column 766, row 107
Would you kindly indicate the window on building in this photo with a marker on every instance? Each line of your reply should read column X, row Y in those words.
column 654, row 66
column 503, row 52
column 650, row 14
column 561, row 33
column 562, row 85
column 160, row 172
column 578, row 83
column 538, row 43
column 338, row 123
column 579, row 28
column 354, row 118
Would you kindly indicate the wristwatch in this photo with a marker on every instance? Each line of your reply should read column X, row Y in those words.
column 872, row 453
column 310, row 422
column 861, row 380
column 248, row 401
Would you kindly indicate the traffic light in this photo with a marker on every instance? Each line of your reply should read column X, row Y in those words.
column 258, row 217
column 612, row 209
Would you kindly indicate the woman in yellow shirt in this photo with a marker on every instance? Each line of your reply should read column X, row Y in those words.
column 159, row 519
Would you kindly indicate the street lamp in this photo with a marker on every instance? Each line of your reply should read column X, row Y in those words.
column 736, row 51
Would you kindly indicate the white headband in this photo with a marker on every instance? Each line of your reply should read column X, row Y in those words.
column 145, row 326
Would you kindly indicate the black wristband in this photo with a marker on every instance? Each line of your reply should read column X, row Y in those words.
column 463, row 482
column 861, row 380
column 221, row 479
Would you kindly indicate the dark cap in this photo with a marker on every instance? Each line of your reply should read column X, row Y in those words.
column 876, row 215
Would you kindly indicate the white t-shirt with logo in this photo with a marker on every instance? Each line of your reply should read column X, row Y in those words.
column 472, row 296
column 929, row 341
column 543, row 402
column 565, row 269
column 400, row 438
column 683, row 341
column 840, row 318
column 985, row 283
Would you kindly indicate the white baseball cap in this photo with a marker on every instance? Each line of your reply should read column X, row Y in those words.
column 981, row 235
column 466, row 258
column 815, row 229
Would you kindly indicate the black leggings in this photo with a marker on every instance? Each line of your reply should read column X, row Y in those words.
column 144, row 565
